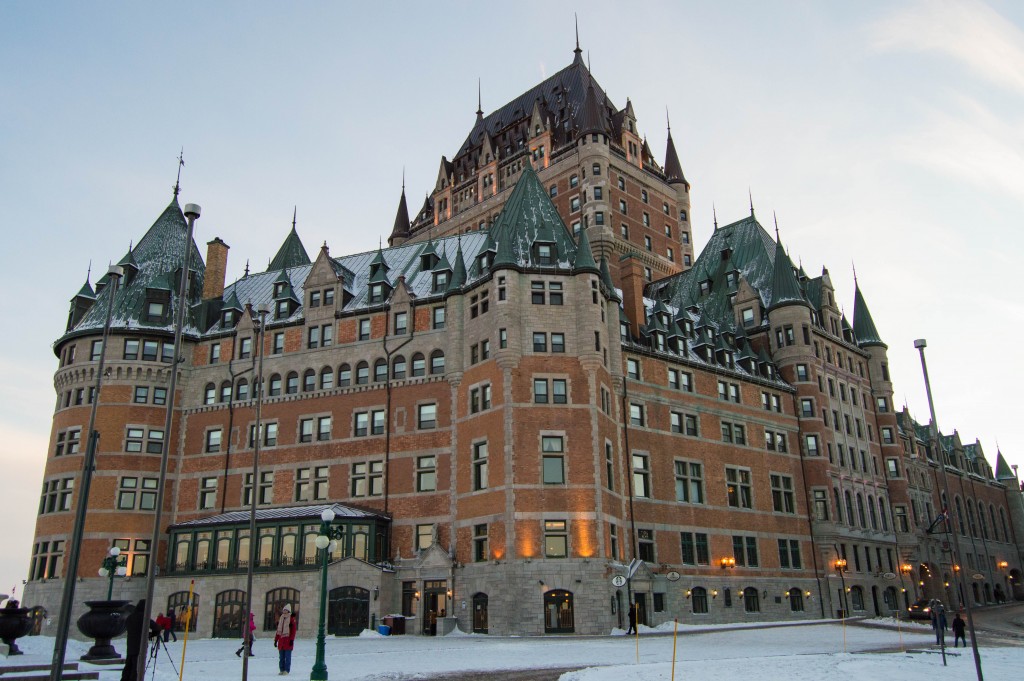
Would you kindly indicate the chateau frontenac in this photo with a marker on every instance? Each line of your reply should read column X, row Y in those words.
column 538, row 407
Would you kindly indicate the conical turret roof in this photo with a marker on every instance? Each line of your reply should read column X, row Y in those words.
column 584, row 255
column 401, row 228
column 863, row 326
column 291, row 254
column 785, row 287
column 673, row 168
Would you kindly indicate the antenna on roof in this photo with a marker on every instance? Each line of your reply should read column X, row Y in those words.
column 576, row 20
column 181, row 162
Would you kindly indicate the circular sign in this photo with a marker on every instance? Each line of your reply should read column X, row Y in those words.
column 978, row 576
column 889, row 576
column 672, row 576
column 618, row 580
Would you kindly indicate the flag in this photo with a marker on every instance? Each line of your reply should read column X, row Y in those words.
column 943, row 517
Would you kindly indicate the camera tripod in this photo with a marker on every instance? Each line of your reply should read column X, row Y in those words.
column 154, row 650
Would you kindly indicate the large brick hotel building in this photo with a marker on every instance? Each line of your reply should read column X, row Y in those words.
column 536, row 388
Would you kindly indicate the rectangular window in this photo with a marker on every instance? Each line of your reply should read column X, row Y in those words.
column 636, row 414
column 540, row 342
column 783, row 500
column 438, row 317
column 556, row 539
column 213, row 439
column 323, row 428
column 645, row 545
column 744, row 550
column 695, row 548
column 811, row 443
column 278, row 343
column 131, row 349
column 738, row 488
column 633, row 368
column 426, row 416
column 364, row 329
column 557, row 342
column 245, row 348
column 141, row 395
column 641, row 476
column 480, row 465
column 789, row 554
column 689, row 482
column 424, row 537
column 480, row 551
column 554, row 469
column 401, row 323
column 426, row 474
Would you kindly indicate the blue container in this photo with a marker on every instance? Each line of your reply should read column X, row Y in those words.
column 384, row 630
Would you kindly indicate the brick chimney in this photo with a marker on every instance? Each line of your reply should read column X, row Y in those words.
column 216, row 269
column 631, row 276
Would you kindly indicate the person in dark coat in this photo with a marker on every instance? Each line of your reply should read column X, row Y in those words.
column 939, row 623
column 169, row 632
column 959, row 630
column 632, row 619
column 135, row 644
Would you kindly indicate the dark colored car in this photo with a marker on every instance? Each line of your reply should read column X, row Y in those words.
column 920, row 609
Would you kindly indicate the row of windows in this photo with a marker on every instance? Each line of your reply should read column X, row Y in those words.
column 683, row 380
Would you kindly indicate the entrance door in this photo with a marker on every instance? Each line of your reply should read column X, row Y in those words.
column 558, row 612
column 435, row 594
column 348, row 611
column 874, row 600
column 227, row 614
column 480, row 613
column 641, row 608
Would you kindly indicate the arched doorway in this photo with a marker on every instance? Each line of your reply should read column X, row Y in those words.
column 276, row 600
column 889, row 596
column 227, row 614
column 558, row 612
column 751, row 600
column 348, row 611
column 178, row 601
column 796, row 600
column 977, row 595
column 988, row 593
column 479, row 613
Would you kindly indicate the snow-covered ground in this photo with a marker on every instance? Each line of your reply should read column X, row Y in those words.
column 794, row 653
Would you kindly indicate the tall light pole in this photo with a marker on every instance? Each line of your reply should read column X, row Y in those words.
column 264, row 309
column 328, row 537
column 191, row 215
column 112, row 568
column 75, row 543
column 921, row 344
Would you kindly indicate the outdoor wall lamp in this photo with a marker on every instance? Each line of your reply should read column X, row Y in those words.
column 807, row 594
column 688, row 593
column 449, row 593
column 714, row 593
column 727, row 562
column 906, row 568
column 764, row 594
column 376, row 592
column 416, row 595
column 1002, row 565
column 840, row 564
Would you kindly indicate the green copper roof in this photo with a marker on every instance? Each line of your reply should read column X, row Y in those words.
column 459, row 271
column 1003, row 470
column 863, row 326
column 584, row 255
column 785, row 287
column 291, row 254
column 529, row 217
column 86, row 291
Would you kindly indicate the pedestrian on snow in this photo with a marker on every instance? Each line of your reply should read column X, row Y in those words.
column 164, row 623
column 169, row 632
column 134, row 643
column 632, row 619
column 939, row 623
column 250, row 635
column 285, row 639
column 959, row 628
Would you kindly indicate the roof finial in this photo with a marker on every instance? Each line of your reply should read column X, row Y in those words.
column 588, row 61
column 715, row 214
column 295, row 213
column 403, row 179
column 774, row 217
column 88, row 272
column 479, row 99
column 246, row 275
column 181, row 162
column 854, row 273
column 576, row 20
column 668, row 122
column 751, row 196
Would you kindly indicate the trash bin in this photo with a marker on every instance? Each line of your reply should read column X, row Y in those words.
column 384, row 630
column 397, row 624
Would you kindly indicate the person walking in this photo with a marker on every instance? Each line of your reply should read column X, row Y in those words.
column 939, row 623
column 169, row 632
column 284, row 639
column 164, row 623
column 135, row 644
column 632, row 619
column 248, row 635
column 959, row 630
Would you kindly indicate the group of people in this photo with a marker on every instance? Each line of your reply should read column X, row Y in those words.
column 939, row 624
column 284, row 639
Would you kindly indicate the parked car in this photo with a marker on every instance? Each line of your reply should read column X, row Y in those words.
column 921, row 609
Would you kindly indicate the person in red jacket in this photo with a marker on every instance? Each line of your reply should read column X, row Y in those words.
column 164, row 623
column 285, row 639
column 250, row 636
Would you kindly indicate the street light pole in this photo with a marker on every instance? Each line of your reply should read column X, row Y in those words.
column 191, row 215
column 263, row 309
column 921, row 344
column 111, row 568
column 78, row 530
column 325, row 540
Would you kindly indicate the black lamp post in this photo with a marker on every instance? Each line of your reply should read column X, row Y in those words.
column 840, row 565
column 112, row 568
column 325, row 541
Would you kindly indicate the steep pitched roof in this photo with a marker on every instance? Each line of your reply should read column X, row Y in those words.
column 1003, row 470
column 584, row 255
column 291, row 254
column 785, row 287
column 593, row 118
column 527, row 215
column 863, row 326
column 673, row 168
column 401, row 228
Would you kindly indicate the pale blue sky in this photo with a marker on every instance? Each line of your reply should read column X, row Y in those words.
column 886, row 134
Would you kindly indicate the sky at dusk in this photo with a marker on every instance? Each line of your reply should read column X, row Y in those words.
column 885, row 135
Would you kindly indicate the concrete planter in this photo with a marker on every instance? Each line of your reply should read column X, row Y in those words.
column 104, row 621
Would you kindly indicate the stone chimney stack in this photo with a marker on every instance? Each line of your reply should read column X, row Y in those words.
column 216, row 269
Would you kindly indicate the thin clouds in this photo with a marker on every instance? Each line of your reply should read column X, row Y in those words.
column 968, row 31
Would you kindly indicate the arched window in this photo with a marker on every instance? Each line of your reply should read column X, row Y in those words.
column 276, row 600
column 291, row 385
column 380, row 371
column 849, row 508
column 699, row 598
column 287, row 547
column 242, row 390
column 558, row 612
column 326, row 378
column 981, row 522
column 437, row 362
column 960, row 517
column 308, row 381
column 992, row 517
column 204, row 541
column 178, row 602
column 860, row 510
column 225, row 391
column 275, row 385
column 210, row 394
column 344, row 376
column 883, row 514
column 796, row 600
column 362, row 373
column 871, row 512
column 419, row 364
column 751, row 600
column 839, row 505
column 398, row 367
column 1002, row 524
column 228, row 614
column 856, row 598
column 265, row 555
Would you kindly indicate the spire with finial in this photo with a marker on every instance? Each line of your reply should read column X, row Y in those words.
column 479, row 114
column 774, row 217
column 673, row 168
column 295, row 214
column 854, row 265
column 578, row 52
column 177, row 182
column 750, row 195
column 714, row 214
column 246, row 275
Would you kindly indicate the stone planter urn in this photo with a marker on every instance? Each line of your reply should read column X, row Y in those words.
column 14, row 623
column 104, row 621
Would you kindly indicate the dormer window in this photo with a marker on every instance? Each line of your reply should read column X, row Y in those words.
column 282, row 310
column 705, row 287
column 376, row 293
column 157, row 306
column 731, row 279
column 545, row 254
column 428, row 261
column 440, row 281
column 229, row 317
column 328, row 297
column 314, row 298
column 748, row 316
column 624, row 331
column 279, row 288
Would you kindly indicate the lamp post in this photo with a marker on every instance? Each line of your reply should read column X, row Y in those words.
column 905, row 571
column 264, row 310
column 921, row 344
column 112, row 568
column 325, row 541
column 840, row 566
column 75, row 544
